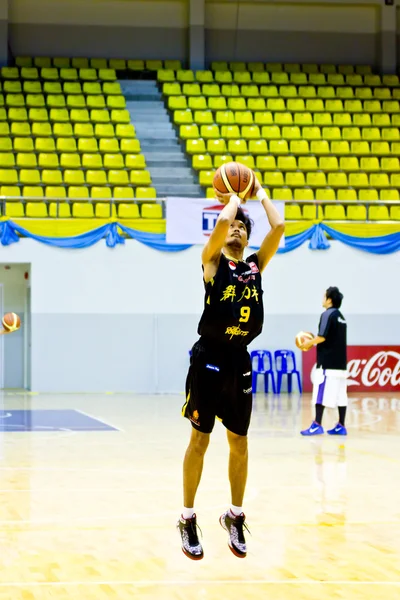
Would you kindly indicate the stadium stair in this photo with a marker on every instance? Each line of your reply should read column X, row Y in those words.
column 169, row 166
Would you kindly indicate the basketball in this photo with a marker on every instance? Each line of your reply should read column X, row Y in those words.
column 302, row 337
column 234, row 178
column 11, row 321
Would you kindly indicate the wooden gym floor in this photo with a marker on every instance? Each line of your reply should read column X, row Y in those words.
column 91, row 514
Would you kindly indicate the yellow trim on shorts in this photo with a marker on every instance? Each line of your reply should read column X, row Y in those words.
column 185, row 405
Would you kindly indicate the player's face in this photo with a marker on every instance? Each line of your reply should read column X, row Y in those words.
column 237, row 235
column 325, row 302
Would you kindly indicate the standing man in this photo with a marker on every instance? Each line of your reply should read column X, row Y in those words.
column 330, row 385
column 219, row 378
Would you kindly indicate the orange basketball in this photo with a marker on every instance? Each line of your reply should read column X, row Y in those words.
column 11, row 322
column 234, row 178
column 302, row 337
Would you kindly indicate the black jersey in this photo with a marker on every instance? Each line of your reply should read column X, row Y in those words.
column 233, row 306
column 332, row 354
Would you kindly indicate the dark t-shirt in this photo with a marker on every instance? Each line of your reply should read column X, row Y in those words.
column 332, row 354
column 233, row 306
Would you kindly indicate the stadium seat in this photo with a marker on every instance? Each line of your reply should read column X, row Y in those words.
column 151, row 211
column 334, row 213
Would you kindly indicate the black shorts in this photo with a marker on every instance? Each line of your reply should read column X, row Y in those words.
column 218, row 385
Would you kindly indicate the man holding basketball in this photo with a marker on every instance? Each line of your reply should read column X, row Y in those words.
column 219, row 378
column 330, row 385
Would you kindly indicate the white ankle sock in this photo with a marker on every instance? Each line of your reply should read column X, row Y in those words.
column 187, row 513
column 236, row 510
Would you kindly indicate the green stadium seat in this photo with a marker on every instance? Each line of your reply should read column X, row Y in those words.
column 261, row 78
column 185, row 76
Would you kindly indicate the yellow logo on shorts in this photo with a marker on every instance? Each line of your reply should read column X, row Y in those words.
column 195, row 417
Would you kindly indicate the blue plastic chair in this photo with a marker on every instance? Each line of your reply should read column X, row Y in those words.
column 285, row 364
column 264, row 366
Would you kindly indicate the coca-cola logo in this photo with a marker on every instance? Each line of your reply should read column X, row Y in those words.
column 368, row 368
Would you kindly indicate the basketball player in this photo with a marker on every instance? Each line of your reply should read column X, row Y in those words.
column 330, row 386
column 219, row 378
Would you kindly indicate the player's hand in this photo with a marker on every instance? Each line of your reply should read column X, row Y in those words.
column 225, row 198
column 307, row 346
column 4, row 331
column 257, row 184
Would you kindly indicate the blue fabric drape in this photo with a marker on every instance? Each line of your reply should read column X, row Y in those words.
column 10, row 233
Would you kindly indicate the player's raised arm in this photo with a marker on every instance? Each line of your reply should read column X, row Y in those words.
column 213, row 247
column 271, row 241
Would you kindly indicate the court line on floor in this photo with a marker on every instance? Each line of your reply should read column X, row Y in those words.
column 98, row 419
column 183, row 583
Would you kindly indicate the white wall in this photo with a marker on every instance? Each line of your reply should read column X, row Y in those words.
column 124, row 319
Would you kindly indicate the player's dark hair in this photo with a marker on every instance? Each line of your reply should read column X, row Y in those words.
column 248, row 223
column 332, row 293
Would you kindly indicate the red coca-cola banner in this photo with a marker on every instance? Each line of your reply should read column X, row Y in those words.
column 371, row 368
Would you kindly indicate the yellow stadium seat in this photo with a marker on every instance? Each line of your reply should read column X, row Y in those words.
column 264, row 118
column 29, row 176
column 52, row 177
column 282, row 118
column 5, row 144
column 76, row 101
column 119, row 64
column 29, row 73
column 27, row 160
column 271, row 132
column 395, row 212
column 266, row 163
column 307, row 163
column 350, row 163
column 36, row 210
column 136, row 65
column 82, row 210
column 237, row 146
column 325, row 193
column 244, row 117
column 224, row 117
column 191, row 89
column 194, row 146
column 353, row 106
column 230, row 131
column 284, row 193
column 256, row 104
column 368, row 195
column 295, row 179
column 372, row 106
column 379, row 180
column 286, row 163
column 56, row 101
column 276, row 104
column 128, row 211
column 316, row 179
column 324, row 119
column 369, row 163
column 389, row 195
column 117, row 116
column 334, row 213
column 134, row 161
column 59, row 209
column 395, row 148
column 187, row 132
column 380, row 148
column 288, row 91
column 73, row 177
column 299, row 147
column 151, row 211
column 103, row 130
column 92, row 161
column 209, row 132
column 278, row 147
column 320, row 147
column 358, row 180
column 356, row 213
column 382, row 93
column 317, row 79
column 250, row 132
column 75, row 191
column 337, row 180
column 391, row 164
column 128, row 146
column 305, row 194
column 345, row 92
column 274, row 179
column 351, row 133
column 172, row 89
column 77, row 63
column 23, row 61
column 121, row 130
column 10, row 190
column 395, row 180
column 206, row 178
column 237, row 104
column 378, row 213
column 107, row 75
column 148, row 193
column 184, row 76
column 258, row 147
column 381, row 120
column 390, row 134
column 363, row 69
column 138, row 177
column 54, row 191
column 32, row 191
column 360, row 148
column 255, row 67
column 331, row 133
column 204, row 117
column 298, row 79
column 364, row 119
column 202, row 162
column 346, row 194
column 198, row 102
column 328, row 163
column 261, row 78
column 327, row 68
column 118, row 177
column 294, row 105
column 177, row 102
column 242, row 77
column 303, row 118
column 98, row 191
column 363, row 93
column 293, row 212
column 335, row 79
column 310, row 68
column 307, row 91
column 17, row 114
column 223, row 77
column 66, row 145
column 327, row 91
column 274, row 67
column 14, row 209
column 391, row 106
column 59, row 115
column 183, row 117
column 371, row 134
column 15, row 100
column 125, row 192
column 311, row 211
column 311, row 133
column 237, row 66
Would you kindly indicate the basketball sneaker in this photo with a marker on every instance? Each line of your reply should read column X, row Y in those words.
column 234, row 526
column 314, row 429
column 338, row 430
column 191, row 546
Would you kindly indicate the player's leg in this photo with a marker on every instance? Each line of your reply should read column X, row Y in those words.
column 193, row 467
column 318, row 395
column 237, row 413
column 340, row 391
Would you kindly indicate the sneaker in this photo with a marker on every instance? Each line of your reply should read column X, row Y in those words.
column 314, row 429
column 338, row 430
column 234, row 526
column 191, row 546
